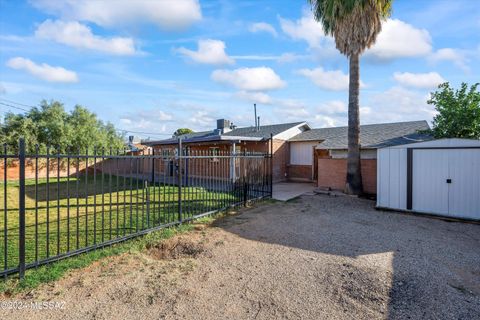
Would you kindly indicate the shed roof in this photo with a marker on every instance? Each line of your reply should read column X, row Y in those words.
column 372, row 136
column 443, row 143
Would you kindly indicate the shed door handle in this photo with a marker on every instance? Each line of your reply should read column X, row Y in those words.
column 449, row 180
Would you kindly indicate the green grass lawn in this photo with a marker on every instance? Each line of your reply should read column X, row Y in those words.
column 57, row 221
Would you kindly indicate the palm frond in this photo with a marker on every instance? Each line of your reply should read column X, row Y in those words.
column 354, row 24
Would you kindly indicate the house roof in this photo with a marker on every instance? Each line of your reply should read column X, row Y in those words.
column 246, row 133
column 263, row 131
column 372, row 136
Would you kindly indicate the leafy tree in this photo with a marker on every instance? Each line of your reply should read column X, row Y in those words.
column 51, row 125
column 458, row 111
column 355, row 25
column 17, row 126
column 181, row 131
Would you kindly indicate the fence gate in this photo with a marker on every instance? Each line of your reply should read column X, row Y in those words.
column 54, row 205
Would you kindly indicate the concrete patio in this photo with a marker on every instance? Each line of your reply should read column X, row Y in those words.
column 285, row 191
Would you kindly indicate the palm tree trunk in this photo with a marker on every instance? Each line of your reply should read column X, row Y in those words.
column 354, row 175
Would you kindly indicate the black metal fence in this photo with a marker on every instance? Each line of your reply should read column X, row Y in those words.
column 53, row 205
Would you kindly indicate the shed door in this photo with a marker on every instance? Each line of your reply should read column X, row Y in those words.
column 464, row 189
column 447, row 181
column 429, row 187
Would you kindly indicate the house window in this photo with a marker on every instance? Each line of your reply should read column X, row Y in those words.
column 214, row 152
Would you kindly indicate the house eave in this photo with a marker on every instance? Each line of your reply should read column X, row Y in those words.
column 204, row 139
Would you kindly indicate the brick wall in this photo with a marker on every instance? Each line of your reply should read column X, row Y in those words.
column 332, row 174
column 299, row 172
column 281, row 154
column 13, row 172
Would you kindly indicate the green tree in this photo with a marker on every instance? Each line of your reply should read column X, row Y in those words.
column 181, row 131
column 355, row 25
column 458, row 111
column 50, row 125
column 16, row 126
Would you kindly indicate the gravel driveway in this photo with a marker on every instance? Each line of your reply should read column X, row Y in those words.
column 317, row 257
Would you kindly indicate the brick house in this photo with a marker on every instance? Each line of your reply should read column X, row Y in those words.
column 228, row 138
column 300, row 153
column 320, row 155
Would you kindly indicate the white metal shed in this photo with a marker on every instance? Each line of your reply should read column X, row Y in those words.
column 440, row 177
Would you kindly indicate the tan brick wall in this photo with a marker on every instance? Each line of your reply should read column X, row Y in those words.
column 332, row 174
column 13, row 172
column 281, row 155
column 299, row 172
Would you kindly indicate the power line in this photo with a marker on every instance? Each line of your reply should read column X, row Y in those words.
column 17, row 103
column 12, row 106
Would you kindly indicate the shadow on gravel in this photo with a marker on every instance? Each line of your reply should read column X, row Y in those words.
column 435, row 267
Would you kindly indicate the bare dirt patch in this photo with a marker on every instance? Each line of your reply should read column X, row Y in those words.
column 176, row 248
column 317, row 257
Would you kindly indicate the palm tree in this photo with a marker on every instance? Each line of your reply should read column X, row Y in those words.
column 355, row 25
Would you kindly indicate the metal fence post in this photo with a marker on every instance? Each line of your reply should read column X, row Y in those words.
column 179, row 178
column 147, row 196
column 153, row 166
column 271, row 165
column 245, row 195
column 21, row 213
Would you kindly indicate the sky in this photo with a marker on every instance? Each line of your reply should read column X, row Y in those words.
column 150, row 67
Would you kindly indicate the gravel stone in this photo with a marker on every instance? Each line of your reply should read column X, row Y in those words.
column 316, row 257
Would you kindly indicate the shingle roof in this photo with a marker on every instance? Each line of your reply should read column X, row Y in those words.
column 371, row 136
column 263, row 132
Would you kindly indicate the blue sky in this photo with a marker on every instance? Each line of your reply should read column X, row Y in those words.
column 154, row 66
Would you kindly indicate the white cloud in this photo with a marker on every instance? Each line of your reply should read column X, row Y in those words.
column 323, row 121
column 202, row 119
column 289, row 57
column 255, row 97
column 209, row 52
column 75, row 34
column 293, row 114
column 419, row 80
column 400, row 40
column 365, row 110
column 290, row 103
column 334, row 80
column 398, row 104
column 453, row 55
column 151, row 120
column 305, row 29
column 176, row 14
column 333, row 107
column 263, row 27
column 43, row 71
column 250, row 79
column 283, row 58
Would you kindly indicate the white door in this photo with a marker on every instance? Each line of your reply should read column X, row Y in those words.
column 464, row 189
column 447, row 182
column 429, row 186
